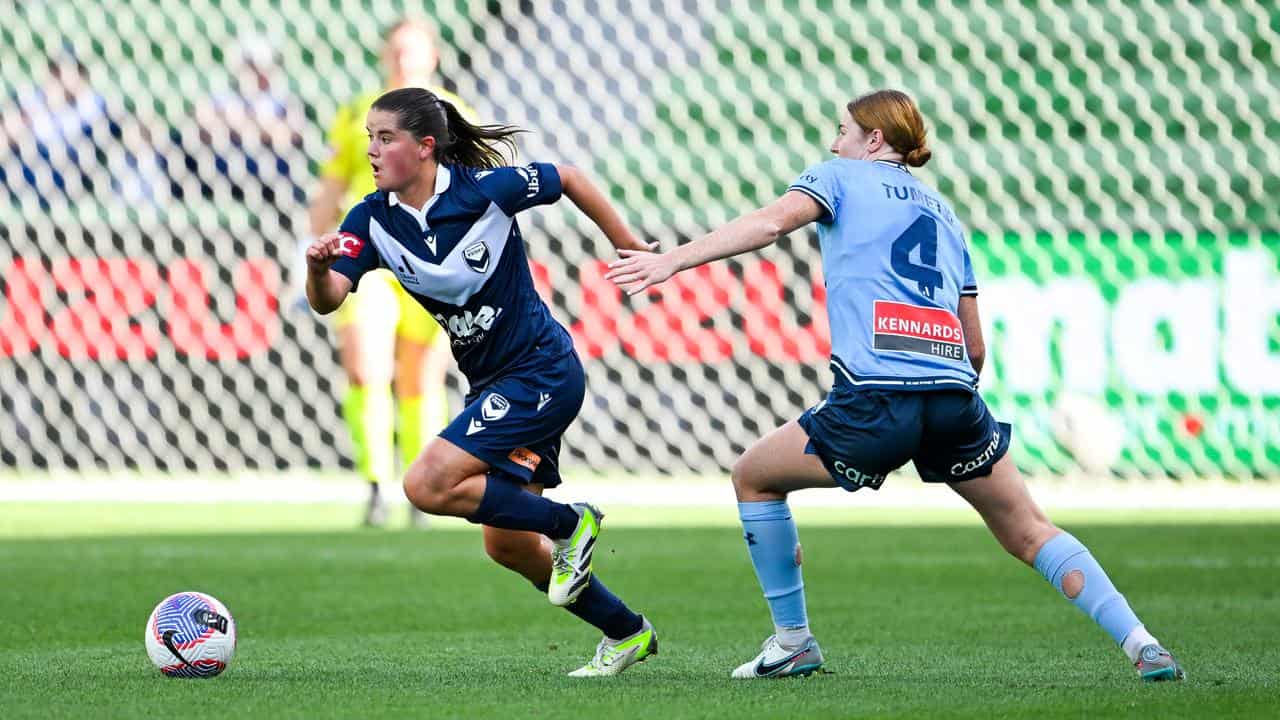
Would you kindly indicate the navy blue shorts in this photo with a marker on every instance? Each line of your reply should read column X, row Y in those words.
column 515, row 422
column 861, row 435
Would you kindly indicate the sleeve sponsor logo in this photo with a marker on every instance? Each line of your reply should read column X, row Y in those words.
column 525, row 458
column 351, row 245
column 916, row 329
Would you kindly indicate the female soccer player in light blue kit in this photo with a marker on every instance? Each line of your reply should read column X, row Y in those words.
column 906, row 351
column 443, row 222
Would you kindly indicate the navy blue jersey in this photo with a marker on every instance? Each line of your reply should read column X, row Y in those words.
column 463, row 259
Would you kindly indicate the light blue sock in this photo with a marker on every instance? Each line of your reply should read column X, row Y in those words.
column 772, row 541
column 1099, row 599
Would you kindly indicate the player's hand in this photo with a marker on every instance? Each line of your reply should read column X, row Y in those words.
column 638, row 270
column 324, row 252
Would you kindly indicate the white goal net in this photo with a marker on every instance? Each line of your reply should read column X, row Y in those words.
column 1117, row 163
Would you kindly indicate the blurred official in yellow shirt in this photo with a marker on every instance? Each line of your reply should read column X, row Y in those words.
column 386, row 340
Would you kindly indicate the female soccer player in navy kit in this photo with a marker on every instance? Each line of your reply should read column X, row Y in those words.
column 443, row 221
column 906, row 350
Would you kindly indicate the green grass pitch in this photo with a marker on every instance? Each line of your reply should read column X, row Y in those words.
column 920, row 615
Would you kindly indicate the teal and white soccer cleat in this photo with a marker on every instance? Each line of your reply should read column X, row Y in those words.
column 775, row 661
column 614, row 656
column 571, row 557
column 1155, row 664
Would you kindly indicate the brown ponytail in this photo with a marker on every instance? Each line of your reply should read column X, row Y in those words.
column 458, row 141
column 918, row 156
column 895, row 114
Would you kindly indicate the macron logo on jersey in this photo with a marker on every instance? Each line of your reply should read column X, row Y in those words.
column 531, row 179
column 350, row 245
column 916, row 329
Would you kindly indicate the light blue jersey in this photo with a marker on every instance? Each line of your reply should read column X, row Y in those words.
column 895, row 263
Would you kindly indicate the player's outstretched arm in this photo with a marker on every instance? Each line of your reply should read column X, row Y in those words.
column 578, row 187
column 638, row 270
column 326, row 288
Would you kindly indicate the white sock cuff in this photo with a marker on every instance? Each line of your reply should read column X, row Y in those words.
column 1137, row 639
column 792, row 637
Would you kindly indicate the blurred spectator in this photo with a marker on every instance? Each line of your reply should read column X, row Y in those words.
column 72, row 143
column 252, row 127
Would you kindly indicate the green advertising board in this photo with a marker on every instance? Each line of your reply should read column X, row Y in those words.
column 1143, row 355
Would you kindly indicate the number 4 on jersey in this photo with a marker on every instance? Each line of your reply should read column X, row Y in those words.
column 922, row 233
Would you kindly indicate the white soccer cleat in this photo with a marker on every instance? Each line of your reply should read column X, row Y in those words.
column 376, row 512
column 614, row 656
column 775, row 661
column 571, row 557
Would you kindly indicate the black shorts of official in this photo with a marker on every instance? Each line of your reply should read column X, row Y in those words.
column 861, row 435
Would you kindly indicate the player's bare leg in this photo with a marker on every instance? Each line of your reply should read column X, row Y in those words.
column 1013, row 517
column 1019, row 525
column 446, row 480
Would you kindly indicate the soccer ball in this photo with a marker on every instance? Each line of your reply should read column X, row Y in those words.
column 1089, row 431
column 191, row 635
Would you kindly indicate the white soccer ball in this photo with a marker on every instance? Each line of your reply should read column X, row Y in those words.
column 1087, row 429
column 191, row 635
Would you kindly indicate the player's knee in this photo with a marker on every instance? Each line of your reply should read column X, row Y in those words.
column 1025, row 541
column 427, row 486
column 744, row 480
column 417, row 488
column 752, row 485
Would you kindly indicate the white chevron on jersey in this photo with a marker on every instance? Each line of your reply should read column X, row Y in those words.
column 454, row 280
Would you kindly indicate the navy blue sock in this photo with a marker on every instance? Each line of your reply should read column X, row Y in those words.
column 601, row 608
column 508, row 506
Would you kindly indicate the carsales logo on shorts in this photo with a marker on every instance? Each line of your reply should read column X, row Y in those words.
column 912, row 328
column 351, row 245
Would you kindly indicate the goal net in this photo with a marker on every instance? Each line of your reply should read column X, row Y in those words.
column 1117, row 164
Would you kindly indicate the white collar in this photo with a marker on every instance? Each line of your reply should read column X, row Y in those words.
column 893, row 164
column 443, row 178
